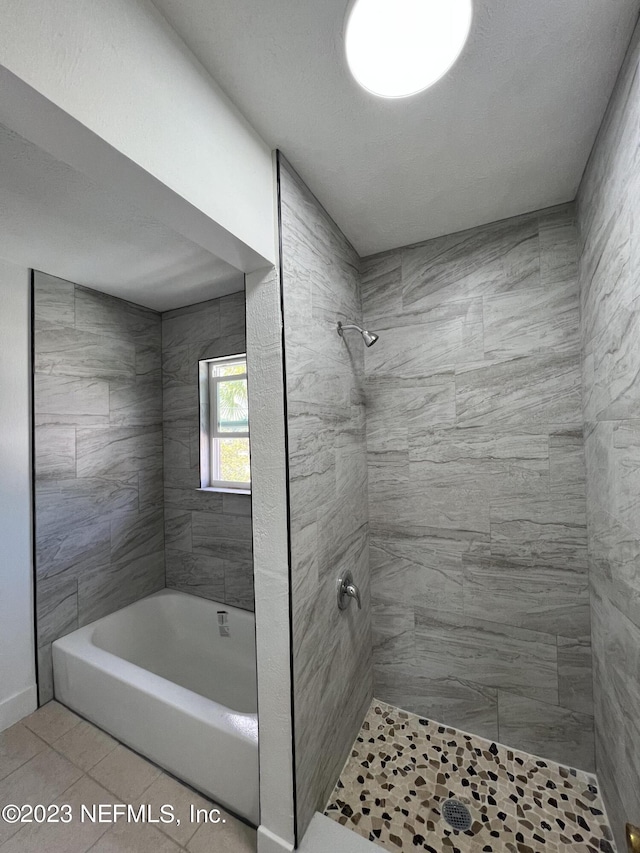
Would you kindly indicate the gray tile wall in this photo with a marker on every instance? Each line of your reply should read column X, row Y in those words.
column 98, row 459
column 207, row 534
column 328, row 492
column 609, row 223
column 477, row 484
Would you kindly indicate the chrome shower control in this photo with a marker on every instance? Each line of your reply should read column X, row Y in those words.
column 347, row 590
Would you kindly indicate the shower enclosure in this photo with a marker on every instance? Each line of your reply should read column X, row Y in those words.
column 445, row 468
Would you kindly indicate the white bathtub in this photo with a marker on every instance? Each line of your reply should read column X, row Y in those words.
column 158, row 676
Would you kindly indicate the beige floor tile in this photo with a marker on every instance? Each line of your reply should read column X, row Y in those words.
column 233, row 835
column 74, row 837
column 124, row 773
column 166, row 790
column 51, row 721
column 134, row 838
column 40, row 780
column 17, row 745
column 85, row 745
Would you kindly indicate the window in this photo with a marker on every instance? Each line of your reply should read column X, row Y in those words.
column 224, row 424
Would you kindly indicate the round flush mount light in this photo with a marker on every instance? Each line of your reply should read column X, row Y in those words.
column 397, row 48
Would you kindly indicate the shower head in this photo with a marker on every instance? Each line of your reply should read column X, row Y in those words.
column 368, row 337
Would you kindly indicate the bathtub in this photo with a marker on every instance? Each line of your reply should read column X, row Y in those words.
column 159, row 677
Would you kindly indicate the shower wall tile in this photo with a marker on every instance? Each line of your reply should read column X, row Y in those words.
column 477, row 495
column 208, row 534
column 98, row 459
column 196, row 574
column 609, row 226
column 332, row 676
column 546, row 729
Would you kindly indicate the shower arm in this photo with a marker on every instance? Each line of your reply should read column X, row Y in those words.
column 341, row 328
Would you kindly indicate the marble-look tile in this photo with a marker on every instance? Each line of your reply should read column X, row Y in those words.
column 177, row 529
column 103, row 314
column 133, row 537
column 567, row 473
column 614, row 561
column 44, row 660
column 191, row 497
column 54, row 302
column 425, row 348
column 541, row 531
column 535, row 596
column 539, row 320
column 483, row 260
column 72, row 548
column 136, row 401
column 480, row 460
column 177, row 447
column 56, row 607
column 105, row 589
column 199, row 322
column 232, row 315
column 238, row 583
column 558, row 235
column 73, row 352
column 69, row 502
column 332, row 649
column 381, row 287
column 466, row 704
column 150, row 490
column 611, row 367
column 236, row 504
column 556, row 732
column 198, row 574
column 529, row 393
column 17, row 746
column 393, row 632
column 575, row 674
column 65, row 400
column 220, row 535
column 55, row 452
column 117, row 450
column 494, row 654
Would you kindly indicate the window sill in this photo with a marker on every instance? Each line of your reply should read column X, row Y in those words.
column 225, row 491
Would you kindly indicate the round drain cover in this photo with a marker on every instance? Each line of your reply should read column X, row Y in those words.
column 457, row 815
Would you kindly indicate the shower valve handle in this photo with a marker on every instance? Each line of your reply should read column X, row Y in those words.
column 347, row 590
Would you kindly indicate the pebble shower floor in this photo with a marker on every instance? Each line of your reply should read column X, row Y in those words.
column 403, row 769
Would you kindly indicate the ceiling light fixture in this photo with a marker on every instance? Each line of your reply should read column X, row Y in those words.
column 397, row 48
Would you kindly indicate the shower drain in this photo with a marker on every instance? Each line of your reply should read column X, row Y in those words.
column 457, row 815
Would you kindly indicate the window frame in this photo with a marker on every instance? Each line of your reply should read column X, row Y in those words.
column 209, row 433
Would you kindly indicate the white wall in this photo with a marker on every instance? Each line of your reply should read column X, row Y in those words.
column 109, row 88
column 17, row 668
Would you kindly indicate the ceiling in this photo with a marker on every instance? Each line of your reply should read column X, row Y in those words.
column 55, row 219
column 508, row 130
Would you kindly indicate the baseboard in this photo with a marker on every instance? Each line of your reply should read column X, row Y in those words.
column 270, row 843
column 13, row 709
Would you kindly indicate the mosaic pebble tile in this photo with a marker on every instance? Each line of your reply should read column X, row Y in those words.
column 403, row 768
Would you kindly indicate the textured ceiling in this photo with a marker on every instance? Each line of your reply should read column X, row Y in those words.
column 54, row 219
column 508, row 130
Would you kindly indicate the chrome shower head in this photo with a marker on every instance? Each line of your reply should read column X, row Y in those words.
column 369, row 338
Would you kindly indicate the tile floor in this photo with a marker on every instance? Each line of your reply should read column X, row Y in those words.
column 403, row 768
column 55, row 757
